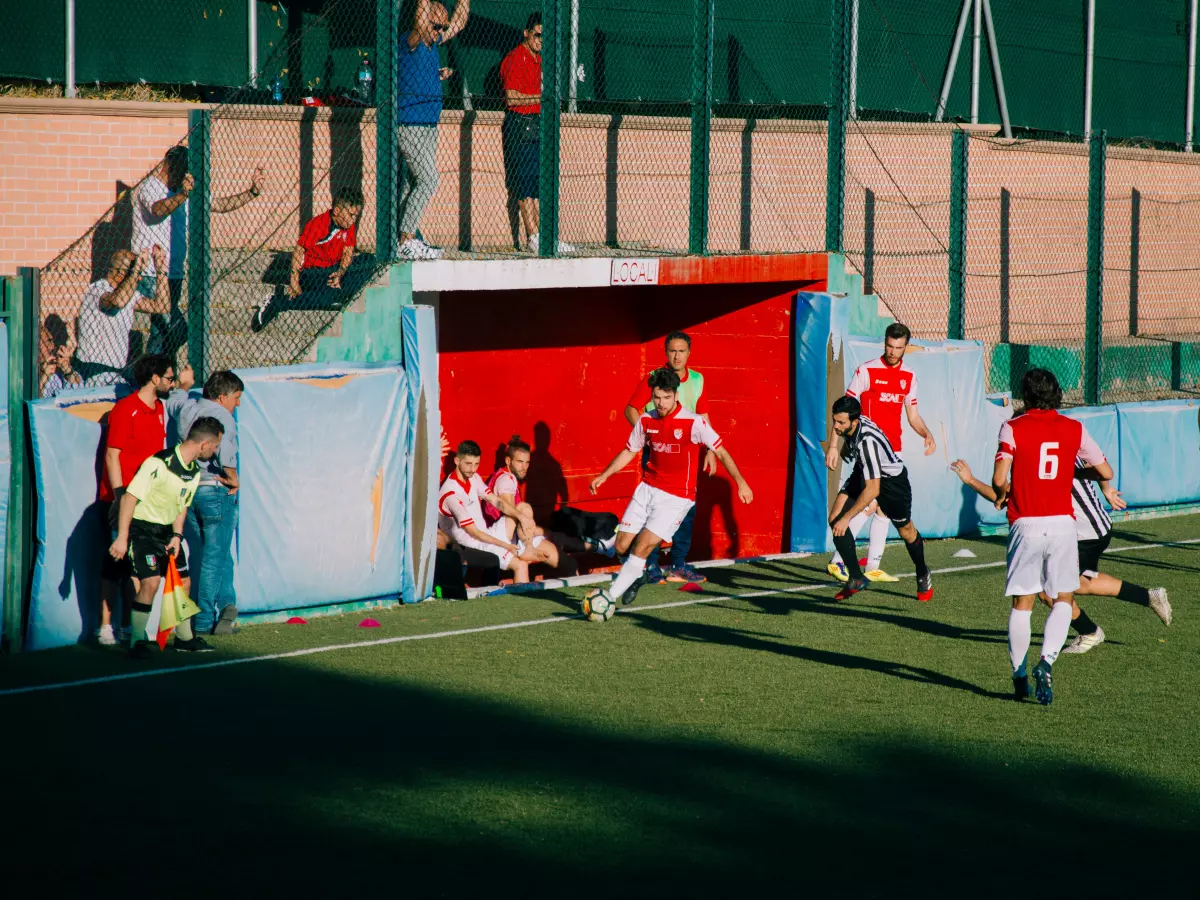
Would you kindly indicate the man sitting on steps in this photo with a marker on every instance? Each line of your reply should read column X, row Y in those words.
column 321, row 277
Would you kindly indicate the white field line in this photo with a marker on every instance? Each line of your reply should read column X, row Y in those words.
column 357, row 645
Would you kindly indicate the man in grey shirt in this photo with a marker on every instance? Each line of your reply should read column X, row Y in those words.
column 213, row 515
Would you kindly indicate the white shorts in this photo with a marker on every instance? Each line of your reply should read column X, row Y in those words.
column 1043, row 555
column 656, row 511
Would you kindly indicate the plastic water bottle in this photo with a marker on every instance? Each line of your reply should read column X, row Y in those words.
column 277, row 90
column 366, row 81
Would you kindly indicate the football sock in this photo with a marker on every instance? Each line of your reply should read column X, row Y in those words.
column 608, row 543
column 1020, row 633
column 1084, row 625
column 1134, row 593
column 879, row 532
column 916, row 551
column 631, row 571
column 1057, row 625
column 183, row 631
column 845, row 546
column 856, row 526
column 140, row 617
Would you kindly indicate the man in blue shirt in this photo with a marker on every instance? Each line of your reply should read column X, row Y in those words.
column 418, row 110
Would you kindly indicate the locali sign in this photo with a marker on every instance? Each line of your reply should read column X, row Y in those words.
column 634, row 271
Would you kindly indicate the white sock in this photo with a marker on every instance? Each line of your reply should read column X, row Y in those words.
column 609, row 542
column 879, row 533
column 1056, row 631
column 856, row 526
column 1020, row 633
column 631, row 571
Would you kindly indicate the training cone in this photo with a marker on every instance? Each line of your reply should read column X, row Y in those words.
column 369, row 623
column 689, row 588
column 964, row 553
column 296, row 620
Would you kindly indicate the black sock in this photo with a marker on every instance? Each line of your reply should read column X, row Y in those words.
column 845, row 546
column 916, row 552
column 1134, row 593
column 1084, row 625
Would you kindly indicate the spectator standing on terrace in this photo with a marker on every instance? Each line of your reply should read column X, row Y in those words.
column 213, row 515
column 106, row 315
column 55, row 348
column 319, row 275
column 418, row 111
column 160, row 218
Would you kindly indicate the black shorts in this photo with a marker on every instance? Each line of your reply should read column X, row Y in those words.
column 1089, row 555
column 895, row 495
column 521, row 142
column 111, row 569
column 148, row 550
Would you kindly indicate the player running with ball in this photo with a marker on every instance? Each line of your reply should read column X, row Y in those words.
column 1034, row 475
column 668, row 488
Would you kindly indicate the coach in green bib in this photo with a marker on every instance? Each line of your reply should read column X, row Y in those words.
column 692, row 397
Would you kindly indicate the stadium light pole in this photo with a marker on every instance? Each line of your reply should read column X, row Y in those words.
column 252, row 40
column 1191, row 77
column 852, row 107
column 977, row 26
column 952, row 63
column 1087, row 69
column 69, row 79
column 572, row 80
column 997, row 74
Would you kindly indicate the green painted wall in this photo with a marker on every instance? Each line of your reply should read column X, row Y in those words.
column 372, row 333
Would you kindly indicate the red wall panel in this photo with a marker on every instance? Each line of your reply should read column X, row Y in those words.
column 557, row 366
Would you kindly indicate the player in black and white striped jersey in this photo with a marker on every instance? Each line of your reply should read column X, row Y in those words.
column 1093, row 528
column 877, row 474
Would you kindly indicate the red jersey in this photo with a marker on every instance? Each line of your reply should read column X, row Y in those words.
column 324, row 242
column 1043, row 446
column 521, row 71
column 884, row 391
column 671, row 464
column 502, row 482
column 138, row 432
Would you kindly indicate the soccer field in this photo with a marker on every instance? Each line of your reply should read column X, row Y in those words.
column 762, row 739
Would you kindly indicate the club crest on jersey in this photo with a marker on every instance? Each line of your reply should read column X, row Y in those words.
column 903, row 384
column 678, row 433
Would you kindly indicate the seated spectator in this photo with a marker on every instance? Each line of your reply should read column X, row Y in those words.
column 320, row 276
column 55, row 348
column 460, row 514
column 507, row 484
column 106, row 315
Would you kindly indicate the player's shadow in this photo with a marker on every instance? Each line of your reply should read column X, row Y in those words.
column 750, row 640
column 546, row 483
column 764, row 576
column 715, row 496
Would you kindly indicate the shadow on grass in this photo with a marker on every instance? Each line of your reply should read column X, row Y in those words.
column 282, row 779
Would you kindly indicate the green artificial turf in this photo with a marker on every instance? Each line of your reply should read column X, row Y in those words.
column 781, row 742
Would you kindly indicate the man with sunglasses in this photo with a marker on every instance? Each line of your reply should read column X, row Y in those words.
column 418, row 111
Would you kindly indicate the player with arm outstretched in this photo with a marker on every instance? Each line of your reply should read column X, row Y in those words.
column 1033, row 477
column 877, row 475
column 882, row 387
column 1093, row 532
column 668, row 488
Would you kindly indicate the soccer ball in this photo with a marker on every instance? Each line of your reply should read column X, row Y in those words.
column 598, row 605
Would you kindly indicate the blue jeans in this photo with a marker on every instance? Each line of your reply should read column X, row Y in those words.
column 212, row 521
column 681, row 544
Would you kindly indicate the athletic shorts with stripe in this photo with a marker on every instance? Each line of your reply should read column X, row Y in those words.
column 656, row 511
column 1043, row 555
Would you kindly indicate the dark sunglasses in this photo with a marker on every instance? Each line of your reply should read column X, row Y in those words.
column 440, row 27
column 537, row 34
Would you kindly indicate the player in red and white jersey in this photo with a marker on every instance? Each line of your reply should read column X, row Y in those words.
column 1034, row 475
column 460, row 514
column 508, row 482
column 668, row 488
column 882, row 387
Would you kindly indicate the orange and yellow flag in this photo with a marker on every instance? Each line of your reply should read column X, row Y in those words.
column 176, row 604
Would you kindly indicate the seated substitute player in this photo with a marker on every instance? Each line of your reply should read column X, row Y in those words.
column 668, row 489
column 882, row 386
column 460, row 514
column 877, row 476
column 1093, row 527
column 1033, row 476
column 150, row 526
column 507, row 483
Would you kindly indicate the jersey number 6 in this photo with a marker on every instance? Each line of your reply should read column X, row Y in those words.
column 1048, row 462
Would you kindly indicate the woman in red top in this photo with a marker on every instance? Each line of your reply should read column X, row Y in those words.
column 521, row 76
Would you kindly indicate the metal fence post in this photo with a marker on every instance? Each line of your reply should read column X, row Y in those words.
column 199, row 243
column 387, row 171
column 702, row 93
column 956, row 327
column 20, row 313
column 552, row 47
column 1093, row 351
column 835, row 162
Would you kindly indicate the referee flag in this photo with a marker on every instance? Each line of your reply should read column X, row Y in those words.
column 176, row 604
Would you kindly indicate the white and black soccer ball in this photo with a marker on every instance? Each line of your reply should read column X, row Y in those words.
column 598, row 605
